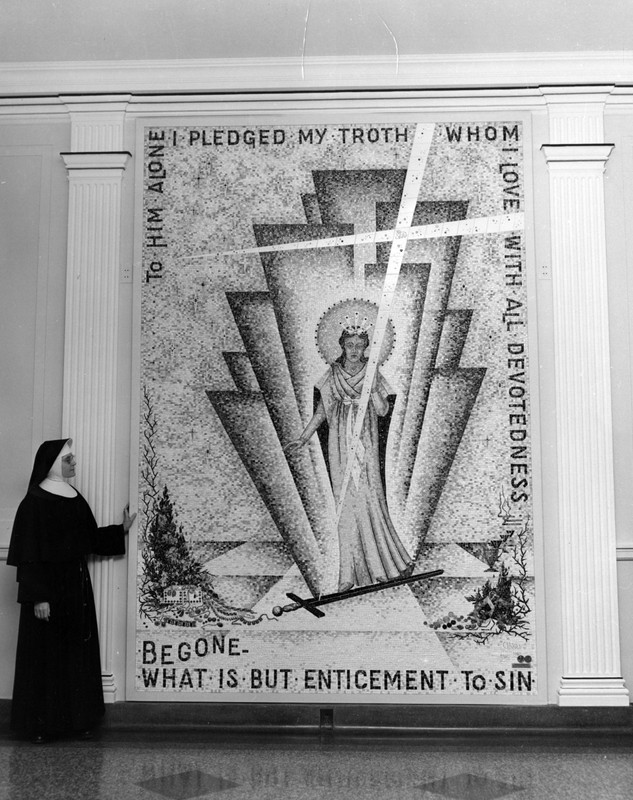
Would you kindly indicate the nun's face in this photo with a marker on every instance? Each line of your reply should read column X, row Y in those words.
column 68, row 466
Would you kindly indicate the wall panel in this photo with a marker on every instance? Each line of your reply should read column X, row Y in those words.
column 32, row 239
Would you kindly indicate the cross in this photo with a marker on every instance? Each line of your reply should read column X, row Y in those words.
column 399, row 236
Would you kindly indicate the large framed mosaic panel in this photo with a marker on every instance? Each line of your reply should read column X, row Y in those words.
column 336, row 432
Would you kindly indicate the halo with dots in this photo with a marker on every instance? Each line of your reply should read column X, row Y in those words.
column 352, row 313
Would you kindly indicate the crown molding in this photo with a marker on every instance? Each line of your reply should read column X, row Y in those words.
column 472, row 70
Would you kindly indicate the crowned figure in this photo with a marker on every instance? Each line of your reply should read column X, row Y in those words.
column 370, row 549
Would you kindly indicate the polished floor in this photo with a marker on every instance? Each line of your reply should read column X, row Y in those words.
column 189, row 765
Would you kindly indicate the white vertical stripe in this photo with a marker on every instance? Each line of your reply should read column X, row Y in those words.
column 415, row 173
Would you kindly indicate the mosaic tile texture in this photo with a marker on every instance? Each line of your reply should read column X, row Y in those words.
column 268, row 467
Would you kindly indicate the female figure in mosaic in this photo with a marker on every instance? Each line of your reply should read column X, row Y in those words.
column 370, row 549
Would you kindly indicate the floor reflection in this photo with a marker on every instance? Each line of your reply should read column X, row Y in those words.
column 187, row 766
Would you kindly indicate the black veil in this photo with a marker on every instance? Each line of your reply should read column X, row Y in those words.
column 45, row 458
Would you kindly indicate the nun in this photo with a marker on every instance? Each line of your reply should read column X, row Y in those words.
column 57, row 687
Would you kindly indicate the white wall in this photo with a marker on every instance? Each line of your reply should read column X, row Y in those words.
column 33, row 200
column 619, row 204
column 33, row 210
column 33, row 207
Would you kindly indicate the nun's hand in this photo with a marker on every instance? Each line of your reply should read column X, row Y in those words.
column 128, row 518
column 42, row 611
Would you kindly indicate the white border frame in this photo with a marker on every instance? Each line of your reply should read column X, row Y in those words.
column 320, row 109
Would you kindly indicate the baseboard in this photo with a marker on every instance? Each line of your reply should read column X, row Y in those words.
column 296, row 718
column 365, row 719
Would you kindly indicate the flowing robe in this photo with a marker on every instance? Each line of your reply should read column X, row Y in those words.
column 370, row 549
column 57, row 686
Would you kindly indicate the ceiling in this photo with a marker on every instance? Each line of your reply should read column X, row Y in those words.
column 132, row 30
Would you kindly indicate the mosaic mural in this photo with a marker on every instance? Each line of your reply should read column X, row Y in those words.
column 335, row 478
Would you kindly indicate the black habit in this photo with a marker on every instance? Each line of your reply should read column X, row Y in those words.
column 57, row 687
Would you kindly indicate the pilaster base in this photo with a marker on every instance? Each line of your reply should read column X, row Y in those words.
column 109, row 687
column 593, row 692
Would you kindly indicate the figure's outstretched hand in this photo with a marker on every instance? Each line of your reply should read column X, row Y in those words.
column 293, row 447
column 128, row 519
column 42, row 611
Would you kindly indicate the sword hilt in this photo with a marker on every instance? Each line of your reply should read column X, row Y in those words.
column 279, row 610
column 299, row 602
column 310, row 604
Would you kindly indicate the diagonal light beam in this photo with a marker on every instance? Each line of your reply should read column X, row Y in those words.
column 415, row 172
column 461, row 227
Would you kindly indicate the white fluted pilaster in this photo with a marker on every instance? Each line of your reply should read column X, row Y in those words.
column 90, row 358
column 590, row 630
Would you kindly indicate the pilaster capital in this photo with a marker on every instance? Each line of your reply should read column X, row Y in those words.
column 83, row 103
column 576, row 115
column 575, row 95
column 97, row 124
column 96, row 164
column 568, row 155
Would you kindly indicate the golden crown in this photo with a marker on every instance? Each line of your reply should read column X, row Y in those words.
column 356, row 327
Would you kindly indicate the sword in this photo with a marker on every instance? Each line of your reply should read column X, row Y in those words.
column 310, row 604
